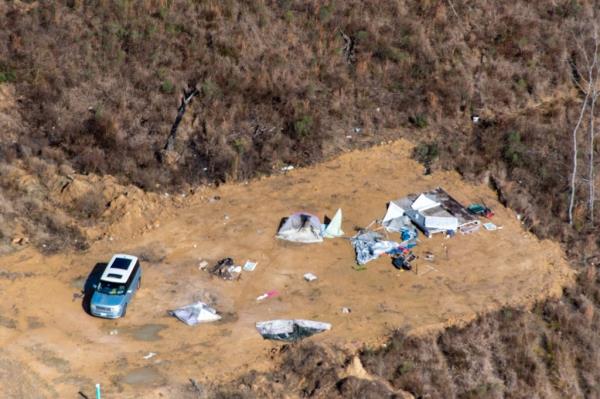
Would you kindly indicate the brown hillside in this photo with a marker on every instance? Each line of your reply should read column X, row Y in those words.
column 89, row 91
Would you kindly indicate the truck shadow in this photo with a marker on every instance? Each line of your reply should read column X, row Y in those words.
column 90, row 282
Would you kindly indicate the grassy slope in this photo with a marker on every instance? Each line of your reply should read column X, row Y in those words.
column 98, row 84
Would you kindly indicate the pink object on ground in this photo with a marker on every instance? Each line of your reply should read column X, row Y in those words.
column 268, row 294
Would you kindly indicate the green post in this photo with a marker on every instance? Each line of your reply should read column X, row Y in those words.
column 97, row 391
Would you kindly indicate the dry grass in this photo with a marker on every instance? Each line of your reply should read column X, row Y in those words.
column 102, row 81
column 99, row 84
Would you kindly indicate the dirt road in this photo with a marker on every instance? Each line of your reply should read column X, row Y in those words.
column 46, row 336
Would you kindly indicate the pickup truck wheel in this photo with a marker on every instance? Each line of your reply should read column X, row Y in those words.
column 124, row 312
column 139, row 283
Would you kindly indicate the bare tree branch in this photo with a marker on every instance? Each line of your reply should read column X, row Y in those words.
column 591, row 92
column 453, row 9
column 574, row 170
column 594, row 94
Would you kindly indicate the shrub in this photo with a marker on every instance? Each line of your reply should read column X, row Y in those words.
column 426, row 153
column 387, row 52
column 419, row 121
column 7, row 75
column 325, row 12
column 303, row 126
column 362, row 35
column 90, row 205
column 209, row 88
column 289, row 16
column 514, row 150
column 167, row 87
column 239, row 146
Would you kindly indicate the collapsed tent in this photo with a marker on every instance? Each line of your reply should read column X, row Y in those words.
column 195, row 313
column 370, row 245
column 290, row 330
column 301, row 227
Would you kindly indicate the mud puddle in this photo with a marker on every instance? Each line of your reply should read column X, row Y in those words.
column 143, row 376
column 145, row 332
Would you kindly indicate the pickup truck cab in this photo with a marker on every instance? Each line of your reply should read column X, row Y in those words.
column 121, row 278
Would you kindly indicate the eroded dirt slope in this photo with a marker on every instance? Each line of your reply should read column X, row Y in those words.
column 44, row 328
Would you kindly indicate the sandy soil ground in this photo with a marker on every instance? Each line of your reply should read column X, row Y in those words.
column 46, row 336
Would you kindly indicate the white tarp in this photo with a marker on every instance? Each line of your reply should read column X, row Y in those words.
column 393, row 212
column 301, row 227
column 423, row 202
column 290, row 330
column 195, row 313
column 441, row 223
column 334, row 228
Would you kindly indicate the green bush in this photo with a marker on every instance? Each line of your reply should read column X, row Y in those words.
column 167, row 87
column 209, row 88
column 7, row 75
column 239, row 146
column 325, row 13
column 303, row 126
column 228, row 51
column 418, row 121
column 391, row 53
column 426, row 153
column 362, row 35
column 514, row 150
column 289, row 16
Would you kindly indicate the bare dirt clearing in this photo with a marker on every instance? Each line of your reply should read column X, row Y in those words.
column 44, row 328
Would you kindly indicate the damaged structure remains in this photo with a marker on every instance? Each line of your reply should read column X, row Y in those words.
column 432, row 212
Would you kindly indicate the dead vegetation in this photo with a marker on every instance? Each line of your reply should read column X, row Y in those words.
column 284, row 82
column 548, row 352
column 280, row 82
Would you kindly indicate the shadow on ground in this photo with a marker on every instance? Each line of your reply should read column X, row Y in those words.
column 90, row 282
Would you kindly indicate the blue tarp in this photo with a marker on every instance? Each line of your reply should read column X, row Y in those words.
column 370, row 245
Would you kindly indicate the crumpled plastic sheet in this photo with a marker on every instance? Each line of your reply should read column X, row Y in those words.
column 369, row 245
column 290, row 330
column 195, row 313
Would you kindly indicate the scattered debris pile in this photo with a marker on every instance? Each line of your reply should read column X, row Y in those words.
column 226, row 270
column 432, row 212
column 402, row 262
